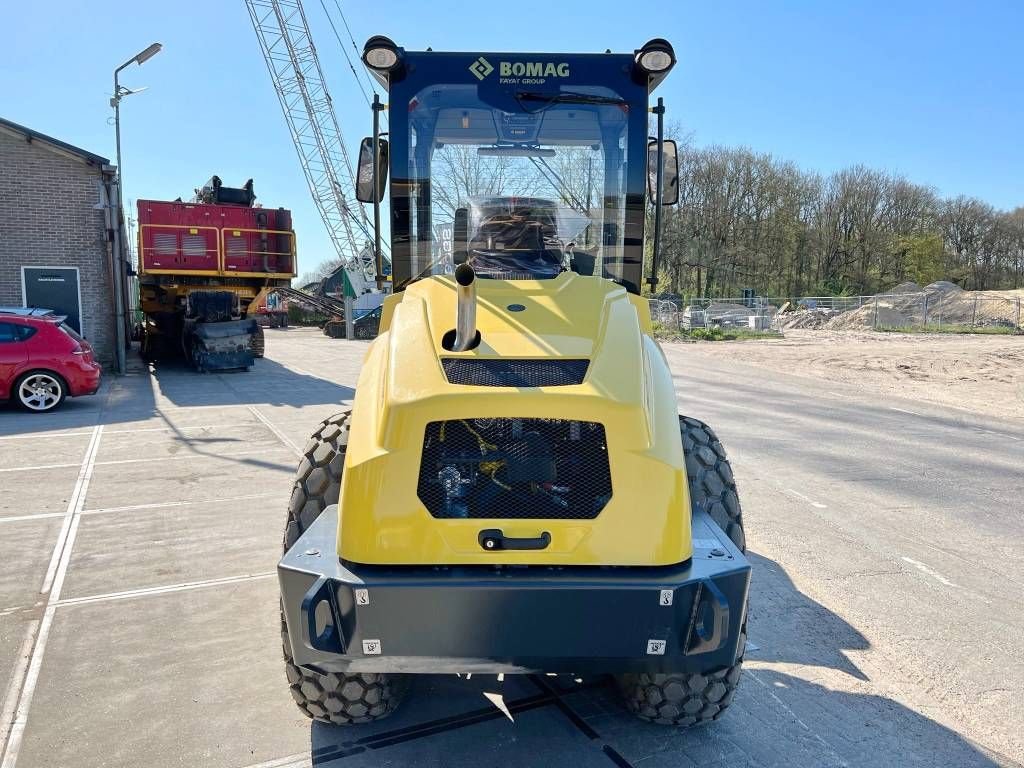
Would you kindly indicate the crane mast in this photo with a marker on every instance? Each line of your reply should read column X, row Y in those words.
column 294, row 67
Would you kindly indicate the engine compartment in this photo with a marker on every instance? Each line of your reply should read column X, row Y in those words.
column 514, row 468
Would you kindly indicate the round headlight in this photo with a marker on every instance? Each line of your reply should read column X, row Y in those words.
column 380, row 58
column 655, row 61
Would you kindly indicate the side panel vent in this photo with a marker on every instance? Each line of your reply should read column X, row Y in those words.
column 514, row 373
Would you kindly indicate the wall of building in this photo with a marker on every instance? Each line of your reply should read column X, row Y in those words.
column 48, row 218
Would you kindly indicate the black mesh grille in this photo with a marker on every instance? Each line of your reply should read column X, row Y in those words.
column 514, row 373
column 514, row 468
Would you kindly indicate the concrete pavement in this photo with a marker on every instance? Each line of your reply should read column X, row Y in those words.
column 139, row 532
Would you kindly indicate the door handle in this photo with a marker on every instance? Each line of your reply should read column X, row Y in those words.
column 493, row 540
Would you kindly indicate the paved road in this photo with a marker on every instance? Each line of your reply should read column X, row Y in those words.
column 899, row 525
column 139, row 530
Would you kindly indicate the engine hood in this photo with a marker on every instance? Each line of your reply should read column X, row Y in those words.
column 627, row 388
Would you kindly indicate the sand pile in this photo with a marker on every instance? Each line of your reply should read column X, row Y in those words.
column 869, row 316
column 807, row 318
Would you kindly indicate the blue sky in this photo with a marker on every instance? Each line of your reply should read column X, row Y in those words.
column 929, row 89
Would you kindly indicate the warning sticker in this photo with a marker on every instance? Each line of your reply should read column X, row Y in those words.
column 371, row 647
column 665, row 598
column 654, row 647
column 362, row 596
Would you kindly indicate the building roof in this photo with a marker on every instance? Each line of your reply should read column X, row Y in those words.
column 33, row 136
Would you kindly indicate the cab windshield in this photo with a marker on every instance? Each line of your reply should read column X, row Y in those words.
column 518, row 182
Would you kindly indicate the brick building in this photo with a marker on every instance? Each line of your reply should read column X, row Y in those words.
column 55, row 232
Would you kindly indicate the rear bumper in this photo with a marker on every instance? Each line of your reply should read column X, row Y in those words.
column 84, row 379
column 344, row 617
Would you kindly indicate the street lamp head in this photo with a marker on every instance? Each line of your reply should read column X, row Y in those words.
column 149, row 53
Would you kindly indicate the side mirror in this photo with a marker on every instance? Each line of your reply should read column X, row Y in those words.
column 670, row 172
column 460, row 236
column 364, row 174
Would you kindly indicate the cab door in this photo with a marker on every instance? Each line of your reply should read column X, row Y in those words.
column 12, row 356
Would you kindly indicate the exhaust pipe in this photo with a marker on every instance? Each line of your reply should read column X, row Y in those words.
column 465, row 318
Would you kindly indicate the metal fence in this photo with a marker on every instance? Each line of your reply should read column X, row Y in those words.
column 947, row 310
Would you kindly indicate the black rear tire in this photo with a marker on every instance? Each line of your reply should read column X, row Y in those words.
column 677, row 698
column 337, row 698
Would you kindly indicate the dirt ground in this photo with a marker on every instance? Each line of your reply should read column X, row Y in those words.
column 980, row 373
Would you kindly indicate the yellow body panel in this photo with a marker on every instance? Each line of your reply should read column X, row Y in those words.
column 628, row 388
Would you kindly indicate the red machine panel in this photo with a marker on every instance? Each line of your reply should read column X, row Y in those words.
column 200, row 238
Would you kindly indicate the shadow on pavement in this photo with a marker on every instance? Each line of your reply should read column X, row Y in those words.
column 153, row 391
column 787, row 626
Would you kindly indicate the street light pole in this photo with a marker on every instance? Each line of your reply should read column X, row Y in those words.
column 119, row 260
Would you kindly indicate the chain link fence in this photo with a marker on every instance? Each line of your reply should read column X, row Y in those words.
column 947, row 310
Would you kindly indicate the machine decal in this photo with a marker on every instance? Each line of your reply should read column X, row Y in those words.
column 481, row 68
column 362, row 596
column 372, row 647
column 666, row 597
column 654, row 647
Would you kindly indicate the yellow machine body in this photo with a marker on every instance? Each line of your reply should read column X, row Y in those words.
column 628, row 388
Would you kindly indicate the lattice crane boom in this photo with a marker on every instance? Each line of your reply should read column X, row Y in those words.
column 294, row 67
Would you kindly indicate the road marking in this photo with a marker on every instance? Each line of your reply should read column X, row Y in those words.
column 812, row 502
column 902, row 410
column 40, row 516
column 499, row 702
column 17, row 675
column 178, row 457
column 148, row 591
column 75, row 504
column 190, row 455
column 163, row 504
column 929, row 571
column 52, row 585
column 292, row 761
column 173, row 428
column 277, row 432
column 170, row 428
column 37, row 467
column 45, row 437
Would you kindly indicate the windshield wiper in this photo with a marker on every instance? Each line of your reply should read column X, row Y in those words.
column 568, row 97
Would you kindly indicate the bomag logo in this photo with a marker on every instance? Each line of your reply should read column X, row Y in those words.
column 532, row 69
column 481, row 68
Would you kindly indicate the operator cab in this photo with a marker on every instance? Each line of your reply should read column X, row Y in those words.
column 521, row 165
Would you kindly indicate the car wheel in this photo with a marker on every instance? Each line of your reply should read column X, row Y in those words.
column 40, row 391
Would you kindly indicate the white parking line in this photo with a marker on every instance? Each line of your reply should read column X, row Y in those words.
column 929, row 571
column 40, row 516
column 191, row 455
column 37, row 467
column 812, row 502
column 163, row 504
column 18, row 674
column 177, row 457
column 147, row 591
column 292, row 761
column 173, row 428
column 52, row 585
column 44, row 437
column 277, row 432
column 901, row 410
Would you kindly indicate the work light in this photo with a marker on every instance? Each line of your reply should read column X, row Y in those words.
column 656, row 56
column 380, row 53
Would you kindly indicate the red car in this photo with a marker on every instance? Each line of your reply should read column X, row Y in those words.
column 43, row 360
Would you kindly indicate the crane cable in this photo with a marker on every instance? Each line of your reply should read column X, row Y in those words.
column 348, row 59
column 355, row 48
